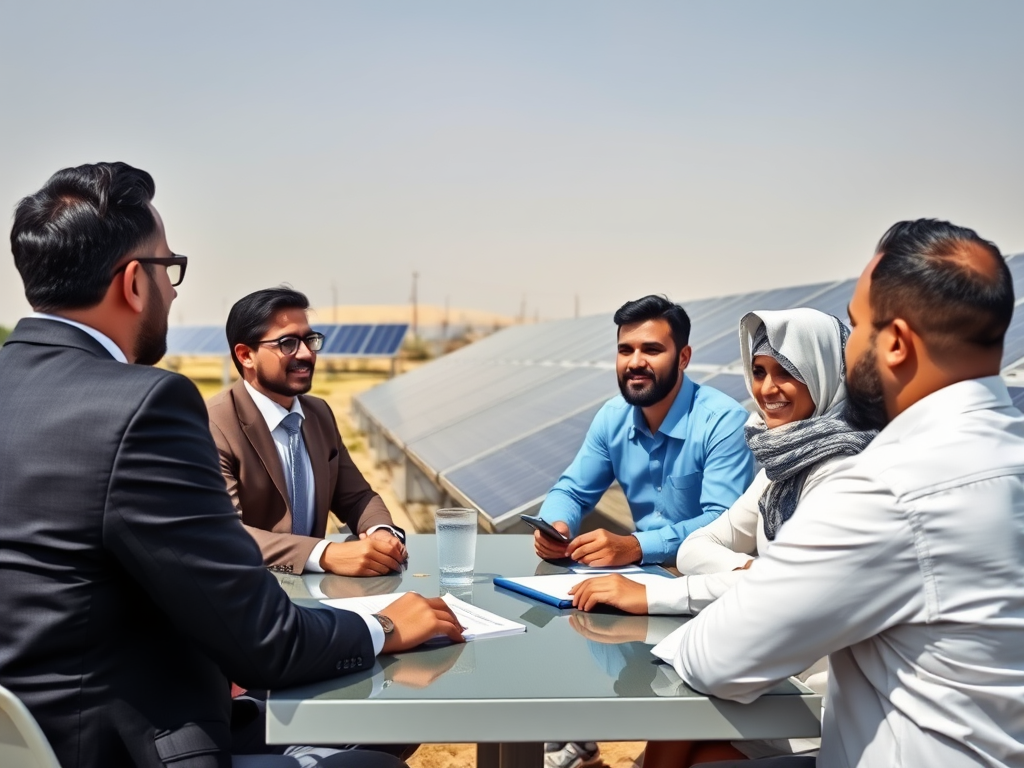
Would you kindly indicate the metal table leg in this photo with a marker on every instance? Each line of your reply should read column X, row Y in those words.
column 510, row 755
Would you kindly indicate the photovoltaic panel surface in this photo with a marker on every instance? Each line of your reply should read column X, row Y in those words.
column 731, row 384
column 725, row 349
column 524, row 472
column 502, row 422
column 356, row 340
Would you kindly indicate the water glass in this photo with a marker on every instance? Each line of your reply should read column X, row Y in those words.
column 456, row 545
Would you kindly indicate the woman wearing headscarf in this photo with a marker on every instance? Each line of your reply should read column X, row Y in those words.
column 794, row 366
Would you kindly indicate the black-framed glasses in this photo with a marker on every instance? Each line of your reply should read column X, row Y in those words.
column 175, row 266
column 289, row 345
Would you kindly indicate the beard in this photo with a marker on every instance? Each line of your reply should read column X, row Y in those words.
column 281, row 386
column 865, row 401
column 655, row 391
column 151, row 343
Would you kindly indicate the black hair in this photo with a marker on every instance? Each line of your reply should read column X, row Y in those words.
column 933, row 274
column 68, row 237
column 656, row 308
column 252, row 315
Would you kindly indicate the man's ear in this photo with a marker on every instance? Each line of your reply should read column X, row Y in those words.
column 131, row 287
column 897, row 344
column 684, row 357
column 244, row 353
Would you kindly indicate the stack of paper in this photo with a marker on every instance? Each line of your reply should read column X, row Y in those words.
column 479, row 623
column 554, row 590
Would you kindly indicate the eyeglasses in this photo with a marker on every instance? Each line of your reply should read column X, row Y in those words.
column 289, row 345
column 175, row 266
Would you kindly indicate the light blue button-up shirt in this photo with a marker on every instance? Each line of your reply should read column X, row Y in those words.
column 676, row 480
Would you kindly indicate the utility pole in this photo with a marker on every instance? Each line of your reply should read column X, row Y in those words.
column 415, row 307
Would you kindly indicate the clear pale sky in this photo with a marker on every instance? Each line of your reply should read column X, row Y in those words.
column 530, row 148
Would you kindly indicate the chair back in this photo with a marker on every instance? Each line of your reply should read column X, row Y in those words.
column 22, row 743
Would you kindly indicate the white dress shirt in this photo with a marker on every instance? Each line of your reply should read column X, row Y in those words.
column 906, row 565
column 709, row 556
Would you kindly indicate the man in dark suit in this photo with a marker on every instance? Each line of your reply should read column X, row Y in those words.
column 131, row 595
column 284, row 483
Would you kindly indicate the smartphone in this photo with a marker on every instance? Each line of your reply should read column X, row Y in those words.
column 542, row 525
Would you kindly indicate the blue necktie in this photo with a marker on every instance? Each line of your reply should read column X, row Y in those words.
column 299, row 495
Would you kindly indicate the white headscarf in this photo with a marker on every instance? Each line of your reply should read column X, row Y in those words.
column 811, row 341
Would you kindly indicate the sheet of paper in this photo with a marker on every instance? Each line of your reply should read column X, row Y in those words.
column 558, row 585
column 623, row 569
column 479, row 624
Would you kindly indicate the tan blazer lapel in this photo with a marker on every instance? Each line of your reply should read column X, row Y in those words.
column 255, row 428
column 317, row 446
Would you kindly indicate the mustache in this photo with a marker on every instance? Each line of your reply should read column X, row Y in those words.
column 638, row 373
column 299, row 366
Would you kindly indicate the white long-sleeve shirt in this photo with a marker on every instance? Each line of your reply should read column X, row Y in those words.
column 709, row 556
column 906, row 566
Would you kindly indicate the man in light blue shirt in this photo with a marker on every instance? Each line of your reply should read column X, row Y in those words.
column 676, row 448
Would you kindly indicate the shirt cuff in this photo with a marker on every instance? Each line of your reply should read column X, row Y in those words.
column 668, row 596
column 658, row 545
column 313, row 561
column 376, row 630
column 397, row 532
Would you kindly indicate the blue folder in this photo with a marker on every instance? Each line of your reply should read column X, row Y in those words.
column 544, row 597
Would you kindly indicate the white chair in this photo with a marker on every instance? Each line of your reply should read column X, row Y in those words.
column 22, row 743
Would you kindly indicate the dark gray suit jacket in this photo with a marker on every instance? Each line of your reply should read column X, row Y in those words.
column 130, row 594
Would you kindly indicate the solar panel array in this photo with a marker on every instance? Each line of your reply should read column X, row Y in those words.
column 355, row 340
column 496, row 423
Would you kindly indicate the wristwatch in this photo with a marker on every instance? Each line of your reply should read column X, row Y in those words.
column 385, row 623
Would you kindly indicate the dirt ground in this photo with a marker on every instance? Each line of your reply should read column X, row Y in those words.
column 338, row 388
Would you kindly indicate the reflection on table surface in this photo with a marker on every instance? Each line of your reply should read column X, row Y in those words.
column 563, row 654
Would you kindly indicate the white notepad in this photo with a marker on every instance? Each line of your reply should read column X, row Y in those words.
column 479, row 624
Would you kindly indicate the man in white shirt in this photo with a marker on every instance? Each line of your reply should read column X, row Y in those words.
column 281, row 453
column 905, row 565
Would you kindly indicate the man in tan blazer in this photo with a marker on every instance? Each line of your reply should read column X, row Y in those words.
column 281, row 454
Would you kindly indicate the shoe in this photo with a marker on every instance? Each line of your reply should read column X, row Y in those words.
column 571, row 754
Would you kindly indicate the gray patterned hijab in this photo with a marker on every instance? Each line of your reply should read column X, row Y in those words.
column 809, row 344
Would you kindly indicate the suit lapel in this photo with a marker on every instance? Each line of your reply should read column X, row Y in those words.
column 255, row 428
column 317, row 447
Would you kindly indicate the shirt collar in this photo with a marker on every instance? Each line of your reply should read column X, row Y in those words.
column 273, row 413
column 102, row 338
column 677, row 418
column 962, row 397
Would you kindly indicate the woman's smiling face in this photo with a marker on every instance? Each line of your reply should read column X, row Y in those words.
column 781, row 398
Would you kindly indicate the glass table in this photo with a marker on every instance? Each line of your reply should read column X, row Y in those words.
column 571, row 676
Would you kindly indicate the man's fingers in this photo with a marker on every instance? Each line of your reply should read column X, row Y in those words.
column 438, row 604
column 600, row 558
column 588, row 549
column 389, row 546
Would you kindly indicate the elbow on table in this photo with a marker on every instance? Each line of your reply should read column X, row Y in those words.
column 722, row 685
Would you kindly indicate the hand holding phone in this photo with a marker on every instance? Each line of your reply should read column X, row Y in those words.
column 542, row 525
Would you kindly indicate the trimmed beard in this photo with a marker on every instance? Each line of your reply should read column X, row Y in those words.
column 865, row 401
column 655, row 392
column 151, row 343
column 281, row 387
